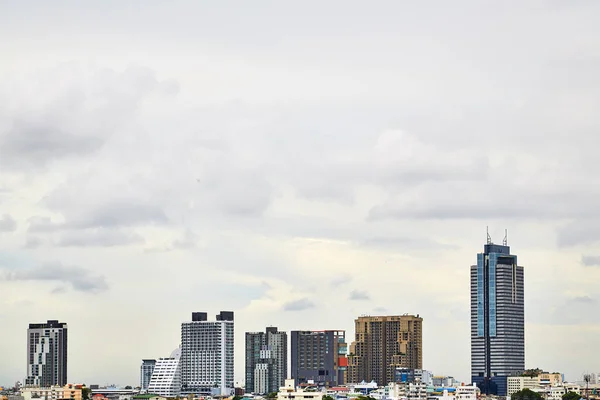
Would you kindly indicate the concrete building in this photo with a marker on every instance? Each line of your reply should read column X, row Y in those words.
column 518, row 383
column 207, row 354
column 146, row 371
column 47, row 354
column 383, row 344
column 289, row 392
column 166, row 376
column 55, row 392
column 266, row 361
column 497, row 319
column 319, row 356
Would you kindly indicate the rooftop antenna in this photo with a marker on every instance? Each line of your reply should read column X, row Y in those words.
column 505, row 241
column 489, row 238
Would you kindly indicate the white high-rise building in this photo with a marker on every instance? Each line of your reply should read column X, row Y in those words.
column 207, row 355
column 47, row 354
column 166, row 376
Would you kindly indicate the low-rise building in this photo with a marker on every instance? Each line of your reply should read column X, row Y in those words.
column 518, row 383
column 290, row 392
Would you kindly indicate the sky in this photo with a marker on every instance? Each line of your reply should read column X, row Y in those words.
column 298, row 163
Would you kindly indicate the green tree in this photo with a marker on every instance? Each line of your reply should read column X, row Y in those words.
column 571, row 396
column 526, row 394
column 127, row 387
column 328, row 397
column 85, row 393
column 271, row 395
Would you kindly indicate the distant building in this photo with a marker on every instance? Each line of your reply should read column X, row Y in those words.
column 518, row 383
column 497, row 319
column 384, row 344
column 290, row 392
column 146, row 371
column 55, row 392
column 166, row 376
column 47, row 354
column 207, row 355
column 266, row 361
column 319, row 356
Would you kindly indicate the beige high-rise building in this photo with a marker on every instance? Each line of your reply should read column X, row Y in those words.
column 382, row 344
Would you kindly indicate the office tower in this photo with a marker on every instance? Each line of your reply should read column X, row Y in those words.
column 166, row 376
column 497, row 319
column 207, row 354
column 47, row 354
column 146, row 371
column 384, row 344
column 319, row 356
column 266, row 361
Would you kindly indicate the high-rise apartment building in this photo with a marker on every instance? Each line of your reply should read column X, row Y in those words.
column 146, row 371
column 266, row 361
column 47, row 354
column 384, row 344
column 319, row 356
column 497, row 319
column 207, row 354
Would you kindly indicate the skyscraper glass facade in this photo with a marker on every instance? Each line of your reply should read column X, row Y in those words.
column 497, row 319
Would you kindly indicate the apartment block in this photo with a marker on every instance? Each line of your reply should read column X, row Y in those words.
column 47, row 354
column 207, row 354
column 319, row 356
column 266, row 361
column 384, row 344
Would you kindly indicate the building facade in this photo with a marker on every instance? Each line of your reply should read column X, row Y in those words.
column 47, row 354
column 67, row 392
column 207, row 354
column 384, row 344
column 166, row 377
column 497, row 319
column 266, row 361
column 319, row 356
column 146, row 371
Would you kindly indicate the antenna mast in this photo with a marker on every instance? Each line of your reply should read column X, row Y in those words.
column 489, row 238
column 505, row 241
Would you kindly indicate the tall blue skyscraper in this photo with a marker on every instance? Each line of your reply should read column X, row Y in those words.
column 497, row 318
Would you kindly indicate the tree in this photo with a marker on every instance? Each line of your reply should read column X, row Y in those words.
column 571, row 396
column 526, row 394
column 271, row 395
column 328, row 397
column 128, row 387
column 85, row 393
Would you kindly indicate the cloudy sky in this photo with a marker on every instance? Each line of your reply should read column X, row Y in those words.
column 298, row 163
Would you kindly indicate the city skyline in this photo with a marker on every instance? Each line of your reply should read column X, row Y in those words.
column 304, row 161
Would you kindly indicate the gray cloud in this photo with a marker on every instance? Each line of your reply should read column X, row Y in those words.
column 188, row 241
column 591, row 261
column 78, row 278
column 99, row 237
column 580, row 232
column 32, row 242
column 359, row 295
column 298, row 305
column 340, row 280
column 61, row 128
column 7, row 224
column 118, row 214
column 583, row 299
